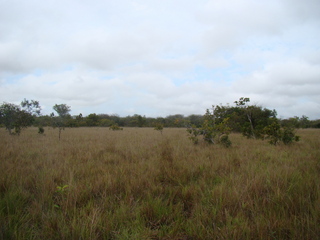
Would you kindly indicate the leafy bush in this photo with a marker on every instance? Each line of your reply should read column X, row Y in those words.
column 41, row 130
column 225, row 141
column 159, row 127
column 15, row 117
column 211, row 131
column 194, row 133
column 276, row 134
column 115, row 127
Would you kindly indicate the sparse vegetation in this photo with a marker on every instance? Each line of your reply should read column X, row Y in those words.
column 98, row 184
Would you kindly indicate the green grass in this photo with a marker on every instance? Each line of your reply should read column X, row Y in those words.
column 140, row 184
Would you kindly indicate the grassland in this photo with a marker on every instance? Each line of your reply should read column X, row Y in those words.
column 139, row 184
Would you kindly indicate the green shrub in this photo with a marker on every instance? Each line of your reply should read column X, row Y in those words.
column 225, row 141
column 115, row 127
column 276, row 134
column 211, row 131
column 159, row 127
column 40, row 130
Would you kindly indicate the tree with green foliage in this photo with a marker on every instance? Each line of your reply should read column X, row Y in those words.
column 159, row 127
column 105, row 122
column 276, row 134
column 141, row 121
column 293, row 121
column 60, row 121
column 63, row 110
column 80, row 120
column 14, row 117
column 211, row 131
column 32, row 107
column 253, row 119
column 92, row 120
column 248, row 110
column 194, row 119
column 43, row 121
column 304, row 122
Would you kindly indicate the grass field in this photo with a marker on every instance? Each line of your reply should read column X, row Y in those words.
column 139, row 184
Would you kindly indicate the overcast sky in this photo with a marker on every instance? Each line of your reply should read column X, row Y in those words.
column 161, row 57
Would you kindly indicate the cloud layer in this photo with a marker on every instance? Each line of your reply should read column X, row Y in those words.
column 157, row 58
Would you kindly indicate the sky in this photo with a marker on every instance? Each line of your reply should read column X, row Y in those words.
column 159, row 58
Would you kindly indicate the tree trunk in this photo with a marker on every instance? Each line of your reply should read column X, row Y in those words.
column 251, row 125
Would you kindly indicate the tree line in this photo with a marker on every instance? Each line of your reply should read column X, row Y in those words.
column 242, row 117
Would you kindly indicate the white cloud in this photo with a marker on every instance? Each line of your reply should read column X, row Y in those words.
column 161, row 57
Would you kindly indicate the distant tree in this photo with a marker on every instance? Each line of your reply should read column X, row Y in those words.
column 161, row 120
column 80, row 120
column 43, row 121
column 141, row 121
column 195, row 120
column 71, row 122
column 32, row 107
column 315, row 123
column 293, row 121
column 92, row 120
column 63, row 110
column 176, row 120
column 304, row 122
column 135, row 121
column 60, row 121
column 14, row 117
column 105, row 122
column 79, row 117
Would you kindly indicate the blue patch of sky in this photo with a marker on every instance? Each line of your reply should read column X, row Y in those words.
column 14, row 78
column 303, row 100
column 179, row 81
column 67, row 68
column 222, row 74
column 38, row 72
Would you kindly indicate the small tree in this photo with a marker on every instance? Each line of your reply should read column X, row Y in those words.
column 276, row 134
column 159, row 127
column 248, row 111
column 252, row 119
column 92, row 120
column 194, row 132
column 14, row 117
column 211, row 131
column 63, row 115
column 32, row 107
column 141, row 121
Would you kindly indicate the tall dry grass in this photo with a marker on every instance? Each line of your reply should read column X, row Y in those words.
column 139, row 184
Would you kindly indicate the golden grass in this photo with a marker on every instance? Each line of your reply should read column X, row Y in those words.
column 139, row 184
